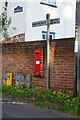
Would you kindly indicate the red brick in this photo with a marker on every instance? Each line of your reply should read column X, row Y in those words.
column 19, row 58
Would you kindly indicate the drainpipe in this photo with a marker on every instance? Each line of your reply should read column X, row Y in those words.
column 78, row 56
column 75, row 53
column 75, row 76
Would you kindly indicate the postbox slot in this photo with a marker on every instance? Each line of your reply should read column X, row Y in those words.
column 36, row 52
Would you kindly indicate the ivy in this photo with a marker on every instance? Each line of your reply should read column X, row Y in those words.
column 5, row 21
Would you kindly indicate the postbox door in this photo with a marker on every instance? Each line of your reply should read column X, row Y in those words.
column 37, row 61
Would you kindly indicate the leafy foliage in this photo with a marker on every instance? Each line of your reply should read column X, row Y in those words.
column 46, row 98
column 5, row 21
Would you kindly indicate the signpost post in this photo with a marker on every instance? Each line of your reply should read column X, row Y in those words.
column 48, row 30
column 42, row 23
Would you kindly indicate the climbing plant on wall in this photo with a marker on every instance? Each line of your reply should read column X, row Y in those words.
column 5, row 21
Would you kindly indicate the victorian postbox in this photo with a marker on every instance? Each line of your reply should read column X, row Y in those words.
column 37, row 61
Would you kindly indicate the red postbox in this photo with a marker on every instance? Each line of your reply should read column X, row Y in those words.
column 37, row 61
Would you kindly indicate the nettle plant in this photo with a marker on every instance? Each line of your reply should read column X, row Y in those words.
column 5, row 21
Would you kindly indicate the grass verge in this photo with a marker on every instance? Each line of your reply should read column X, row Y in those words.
column 50, row 99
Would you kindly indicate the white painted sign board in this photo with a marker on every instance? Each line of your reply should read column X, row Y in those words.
column 42, row 23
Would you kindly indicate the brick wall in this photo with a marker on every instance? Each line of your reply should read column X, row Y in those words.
column 17, row 38
column 19, row 58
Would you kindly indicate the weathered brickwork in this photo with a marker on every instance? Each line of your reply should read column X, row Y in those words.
column 19, row 58
column 17, row 38
column 62, row 64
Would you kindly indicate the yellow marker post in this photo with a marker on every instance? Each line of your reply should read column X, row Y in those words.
column 9, row 79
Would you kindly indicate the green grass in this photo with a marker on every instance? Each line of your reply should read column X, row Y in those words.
column 46, row 98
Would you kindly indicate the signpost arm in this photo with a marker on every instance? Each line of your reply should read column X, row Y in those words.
column 48, row 30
